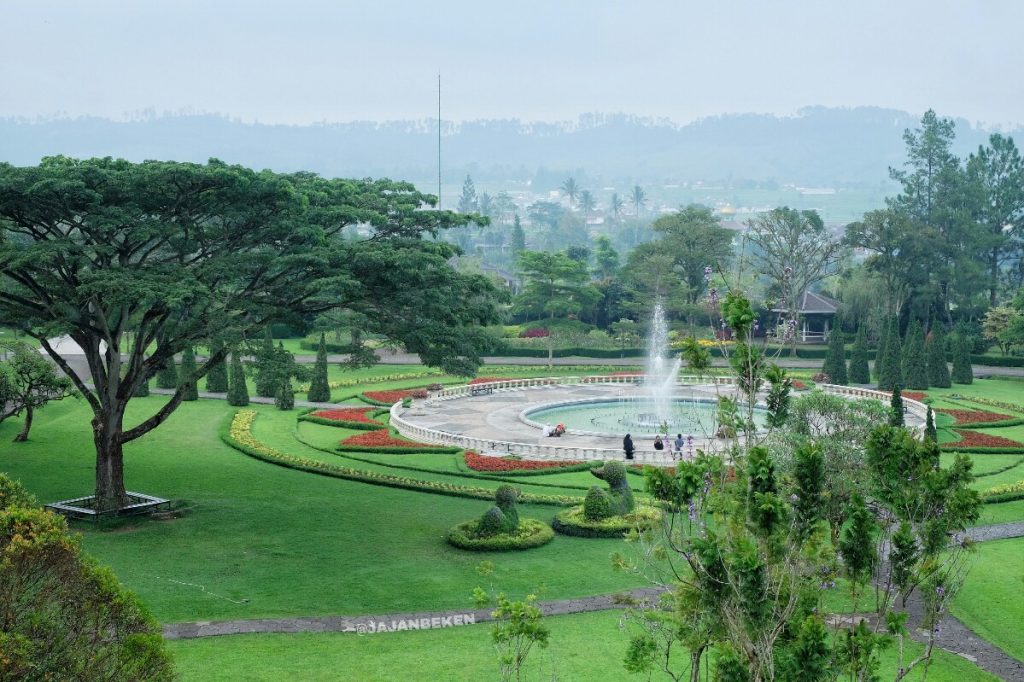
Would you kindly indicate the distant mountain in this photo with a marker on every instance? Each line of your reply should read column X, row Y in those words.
column 818, row 147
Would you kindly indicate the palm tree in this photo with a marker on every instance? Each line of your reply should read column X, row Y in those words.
column 616, row 205
column 571, row 190
column 587, row 203
column 639, row 198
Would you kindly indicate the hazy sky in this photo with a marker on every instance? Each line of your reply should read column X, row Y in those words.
column 297, row 61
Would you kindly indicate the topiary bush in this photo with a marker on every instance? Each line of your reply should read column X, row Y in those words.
column 573, row 522
column 500, row 528
column 620, row 495
column 597, row 505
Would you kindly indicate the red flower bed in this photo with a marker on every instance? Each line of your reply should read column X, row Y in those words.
column 389, row 397
column 484, row 380
column 480, row 463
column 799, row 385
column 381, row 438
column 356, row 414
column 535, row 333
column 914, row 395
column 627, row 374
column 975, row 416
column 973, row 439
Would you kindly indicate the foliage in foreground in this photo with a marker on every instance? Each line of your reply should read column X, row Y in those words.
column 64, row 616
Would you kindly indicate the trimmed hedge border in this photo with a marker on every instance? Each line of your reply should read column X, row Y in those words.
column 980, row 450
column 990, row 425
column 239, row 426
column 342, row 424
column 1003, row 497
column 461, row 536
column 1001, row 469
column 565, row 525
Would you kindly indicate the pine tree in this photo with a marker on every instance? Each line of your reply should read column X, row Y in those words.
column 319, row 389
column 167, row 377
column 880, row 353
column 859, row 372
column 238, row 392
column 285, row 398
column 891, row 369
column 915, row 366
column 935, row 349
column 217, row 377
column 518, row 236
column 835, row 358
column 963, row 373
column 896, row 407
column 929, row 427
column 266, row 372
column 189, row 389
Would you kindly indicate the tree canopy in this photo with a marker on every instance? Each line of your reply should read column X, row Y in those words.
column 176, row 253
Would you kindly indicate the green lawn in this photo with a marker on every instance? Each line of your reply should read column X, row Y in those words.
column 589, row 646
column 263, row 540
column 986, row 603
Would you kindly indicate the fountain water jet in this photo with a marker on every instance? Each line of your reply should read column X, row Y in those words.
column 660, row 372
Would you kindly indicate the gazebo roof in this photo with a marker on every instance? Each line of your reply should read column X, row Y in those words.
column 810, row 303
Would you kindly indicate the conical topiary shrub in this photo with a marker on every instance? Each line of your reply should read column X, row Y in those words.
column 935, row 350
column 238, row 392
column 858, row 372
column 266, row 370
column 187, row 378
column 915, row 366
column 881, row 352
column 285, row 398
column 963, row 373
column 217, row 376
column 319, row 388
column 896, row 407
column 835, row 358
column 167, row 377
column 891, row 373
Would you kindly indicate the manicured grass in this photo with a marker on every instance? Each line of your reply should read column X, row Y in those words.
column 263, row 540
column 589, row 646
column 1007, row 390
column 1004, row 512
column 984, row 463
column 989, row 602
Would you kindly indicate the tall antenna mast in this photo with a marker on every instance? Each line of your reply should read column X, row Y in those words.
column 439, row 141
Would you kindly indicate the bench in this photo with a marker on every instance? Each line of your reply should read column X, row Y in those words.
column 480, row 390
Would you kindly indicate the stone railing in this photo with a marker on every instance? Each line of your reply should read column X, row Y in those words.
column 559, row 452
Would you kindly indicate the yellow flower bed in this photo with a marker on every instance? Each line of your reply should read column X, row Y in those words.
column 241, row 438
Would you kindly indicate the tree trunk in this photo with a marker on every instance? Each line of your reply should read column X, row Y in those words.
column 110, row 492
column 23, row 436
column 994, row 274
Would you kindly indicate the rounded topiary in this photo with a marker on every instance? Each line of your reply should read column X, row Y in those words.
column 491, row 523
column 530, row 533
column 573, row 521
column 597, row 505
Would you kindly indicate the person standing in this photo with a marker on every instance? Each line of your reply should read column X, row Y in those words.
column 677, row 446
column 627, row 445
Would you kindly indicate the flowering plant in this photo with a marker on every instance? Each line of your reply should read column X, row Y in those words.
column 355, row 414
column 976, row 439
column 975, row 416
column 478, row 462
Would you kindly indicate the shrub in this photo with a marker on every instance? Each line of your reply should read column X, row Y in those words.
column 935, row 350
column 889, row 365
column 963, row 373
column 915, row 367
column 285, row 398
column 573, row 522
column 167, row 377
column 531, row 533
column 859, row 373
column 217, row 375
column 238, row 392
column 190, row 391
column 534, row 333
column 619, row 493
column 597, row 505
column 835, row 359
column 319, row 388
column 419, row 393
column 66, row 617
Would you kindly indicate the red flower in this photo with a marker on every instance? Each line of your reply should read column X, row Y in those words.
column 799, row 385
column 382, row 438
column 914, row 395
column 627, row 374
column 973, row 439
column 478, row 462
column 484, row 380
column 356, row 414
column 975, row 416
column 389, row 397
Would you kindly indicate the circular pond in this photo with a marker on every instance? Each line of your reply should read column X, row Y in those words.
column 638, row 416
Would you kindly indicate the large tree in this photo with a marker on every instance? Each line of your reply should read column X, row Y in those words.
column 177, row 253
column 795, row 251
column 27, row 382
column 695, row 239
column 555, row 285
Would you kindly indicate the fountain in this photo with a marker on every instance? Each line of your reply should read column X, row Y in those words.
column 660, row 373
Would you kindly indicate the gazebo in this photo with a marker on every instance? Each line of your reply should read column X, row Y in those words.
column 815, row 312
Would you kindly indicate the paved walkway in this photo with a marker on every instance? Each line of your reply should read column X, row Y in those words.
column 954, row 636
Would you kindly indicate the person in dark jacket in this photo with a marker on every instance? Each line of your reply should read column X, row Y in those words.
column 627, row 445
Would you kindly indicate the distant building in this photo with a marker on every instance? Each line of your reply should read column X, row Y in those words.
column 815, row 313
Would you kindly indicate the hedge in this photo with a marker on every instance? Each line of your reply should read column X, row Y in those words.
column 982, row 450
column 540, row 533
column 360, row 426
column 570, row 522
column 991, row 361
column 237, row 434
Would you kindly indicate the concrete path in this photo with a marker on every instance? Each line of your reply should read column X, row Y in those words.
column 953, row 635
